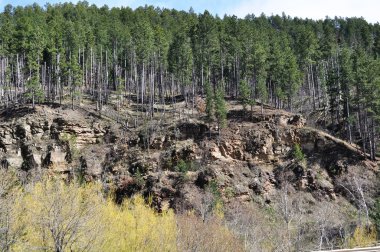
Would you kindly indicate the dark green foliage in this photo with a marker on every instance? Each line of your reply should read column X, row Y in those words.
column 35, row 93
column 139, row 179
column 185, row 166
column 180, row 58
column 329, row 67
column 181, row 166
column 80, row 171
column 143, row 39
column 245, row 94
column 213, row 188
column 220, row 108
column 297, row 153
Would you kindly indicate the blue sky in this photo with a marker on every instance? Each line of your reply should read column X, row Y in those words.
column 316, row 9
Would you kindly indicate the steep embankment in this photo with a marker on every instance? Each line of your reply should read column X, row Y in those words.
column 177, row 161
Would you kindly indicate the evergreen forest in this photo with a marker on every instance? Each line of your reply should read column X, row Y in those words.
column 327, row 68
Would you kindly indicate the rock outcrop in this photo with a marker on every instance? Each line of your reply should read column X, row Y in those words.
column 44, row 137
column 179, row 163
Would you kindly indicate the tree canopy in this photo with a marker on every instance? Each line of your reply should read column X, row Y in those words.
column 295, row 64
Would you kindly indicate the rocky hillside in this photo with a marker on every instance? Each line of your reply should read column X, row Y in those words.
column 263, row 169
column 176, row 161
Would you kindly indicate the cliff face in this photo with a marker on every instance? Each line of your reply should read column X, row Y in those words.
column 180, row 162
column 35, row 139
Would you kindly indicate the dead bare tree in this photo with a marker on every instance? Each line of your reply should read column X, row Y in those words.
column 249, row 223
column 323, row 223
column 355, row 188
column 206, row 205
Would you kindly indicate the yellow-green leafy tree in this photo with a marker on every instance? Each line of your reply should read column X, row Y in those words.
column 61, row 216
column 134, row 226
column 10, row 210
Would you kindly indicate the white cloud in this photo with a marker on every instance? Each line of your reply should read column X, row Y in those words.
column 317, row 9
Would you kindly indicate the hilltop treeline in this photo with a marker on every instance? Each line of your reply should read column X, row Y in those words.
column 330, row 67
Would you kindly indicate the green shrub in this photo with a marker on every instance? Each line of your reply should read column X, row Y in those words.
column 182, row 166
column 185, row 166
column 139, row 178
column 297, row 153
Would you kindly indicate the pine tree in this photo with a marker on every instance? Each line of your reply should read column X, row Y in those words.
column 262, row 92
column 220, row 109
column 245, row 94
column 76, row 80
column 34, row 90
column 291, row 76
column 260, row 59
column 209, row 104
column 181, row 61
